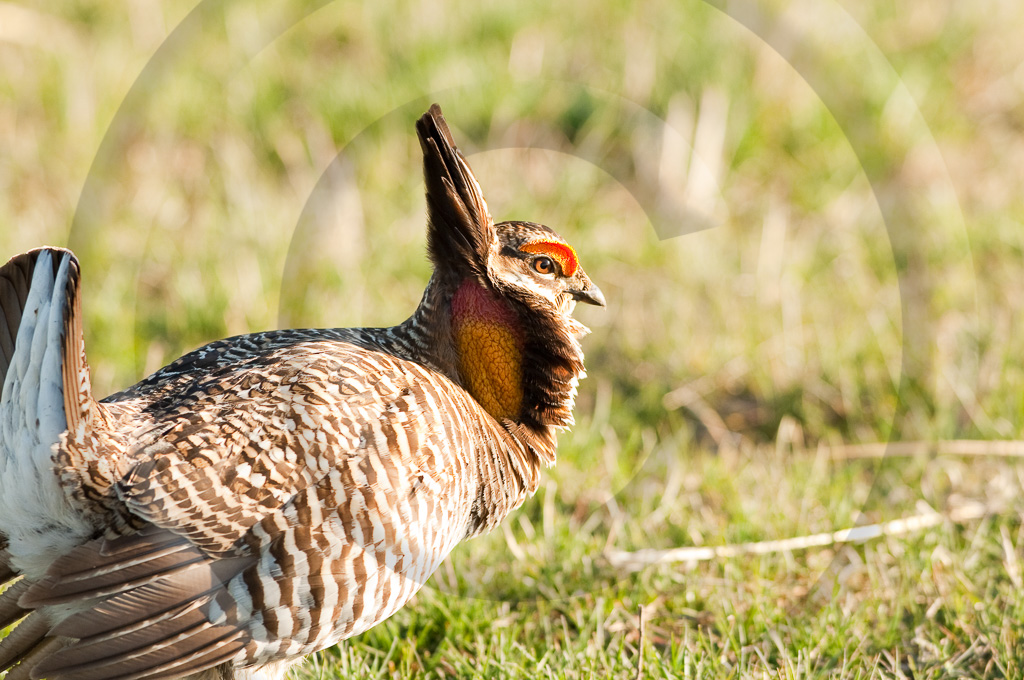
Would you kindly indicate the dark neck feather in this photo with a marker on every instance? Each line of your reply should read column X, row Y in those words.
column 427, row 333
column 552, row 367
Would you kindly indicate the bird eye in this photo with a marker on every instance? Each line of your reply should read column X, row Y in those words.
column 543, row 265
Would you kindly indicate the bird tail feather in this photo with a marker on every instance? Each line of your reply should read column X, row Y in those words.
column 44, row 391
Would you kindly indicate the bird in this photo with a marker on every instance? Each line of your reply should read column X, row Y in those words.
column 265, row 496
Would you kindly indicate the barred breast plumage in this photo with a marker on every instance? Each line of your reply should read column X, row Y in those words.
column 267, row 495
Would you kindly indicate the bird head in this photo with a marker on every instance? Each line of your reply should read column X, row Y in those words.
column 510, row 289
column 536, row 266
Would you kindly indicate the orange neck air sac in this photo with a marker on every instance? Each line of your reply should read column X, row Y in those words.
column 490, row 346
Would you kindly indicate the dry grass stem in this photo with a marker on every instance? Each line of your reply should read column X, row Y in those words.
column 638, row 559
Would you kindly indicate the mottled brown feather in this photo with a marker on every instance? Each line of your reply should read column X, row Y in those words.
column 206, row 657
column 23, row 671
column 169, row 647
column 15, row 281
column 10, row 607
column 6, row 571
column 74, row 367
column 23, row 639
column 97, row 575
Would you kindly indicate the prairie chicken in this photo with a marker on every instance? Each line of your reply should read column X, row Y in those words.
column 268, row 495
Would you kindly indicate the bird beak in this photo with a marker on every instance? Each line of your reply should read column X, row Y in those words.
column 590, row 294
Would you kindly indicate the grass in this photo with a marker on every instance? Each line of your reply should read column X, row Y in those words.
column 807, row 220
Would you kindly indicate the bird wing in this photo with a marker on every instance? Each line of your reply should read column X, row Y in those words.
column 141, row 606
column 240, row 442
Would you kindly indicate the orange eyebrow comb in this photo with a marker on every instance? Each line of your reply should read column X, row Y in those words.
column 560, row 252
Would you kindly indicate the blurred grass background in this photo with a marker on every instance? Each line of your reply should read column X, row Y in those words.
column 807, row 218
